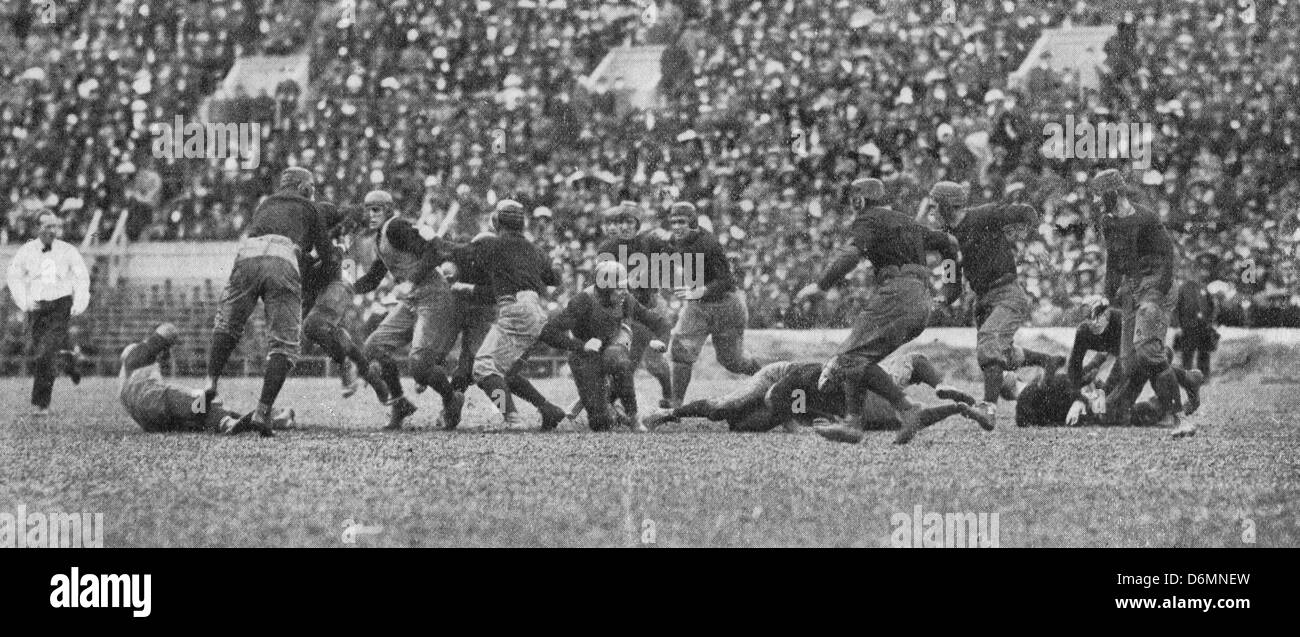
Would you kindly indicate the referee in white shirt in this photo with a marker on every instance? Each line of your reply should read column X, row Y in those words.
column 49, row 281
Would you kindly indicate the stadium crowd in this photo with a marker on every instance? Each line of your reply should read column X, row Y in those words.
column 770, row 108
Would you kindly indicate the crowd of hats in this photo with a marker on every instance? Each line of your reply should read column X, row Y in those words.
column 771, row 110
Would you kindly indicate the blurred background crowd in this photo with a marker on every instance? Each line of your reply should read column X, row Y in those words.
column 769, row 109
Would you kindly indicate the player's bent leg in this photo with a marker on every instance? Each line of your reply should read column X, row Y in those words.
column 146, row 352
column 618, row 365
column 589, row 376
column 685, row 351
column 730, row 348
column 1191, row 380
column 238, row 301
column 685, row 342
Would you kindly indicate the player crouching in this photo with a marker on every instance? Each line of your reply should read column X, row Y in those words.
column 601, row 341
column 161, row 407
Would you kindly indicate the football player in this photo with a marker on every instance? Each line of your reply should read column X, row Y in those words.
column 786, row 394
column 895, row 313
column 595, row 329
column 161, row 407
column 987, row 236
column 712, row 305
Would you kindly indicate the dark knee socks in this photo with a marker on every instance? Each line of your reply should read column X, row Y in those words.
column 277, row 370
column 223, row 345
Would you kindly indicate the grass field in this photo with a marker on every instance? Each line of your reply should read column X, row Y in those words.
column 694, row 484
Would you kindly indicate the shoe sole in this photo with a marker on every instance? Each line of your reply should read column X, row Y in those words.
column 839, row 434
column 955, row 395
column 396, row 424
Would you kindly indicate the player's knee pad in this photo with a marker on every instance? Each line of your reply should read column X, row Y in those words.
column 991, row 353
column 289, row 357
column 655, row 362
column 317, row 329
column 685, row 349
column 425, row 364
column 1151, row 354
column 376, row 351
column 224, row 327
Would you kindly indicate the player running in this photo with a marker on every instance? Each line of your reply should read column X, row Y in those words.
column 786, row 394
column 517, row 272
column 424, row 317
column 1139, row 278
column 987, row 236
column 160, row 407
column 712, row 304
column 285, row 227
column 895, row 313
column 595, row 329
column 477, row 312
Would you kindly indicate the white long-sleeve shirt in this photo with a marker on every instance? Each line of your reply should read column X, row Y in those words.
column 38, row 275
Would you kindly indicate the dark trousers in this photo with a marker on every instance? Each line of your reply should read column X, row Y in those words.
column 49, row 325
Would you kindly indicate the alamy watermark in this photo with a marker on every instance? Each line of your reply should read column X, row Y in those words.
column 1103, row 140
column 210, row 140
column 929, row 529
column 55, row 530
column 657, row 270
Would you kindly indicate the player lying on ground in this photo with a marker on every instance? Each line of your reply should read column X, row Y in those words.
column 1056, row 402
column 785, row 394
column 594, row 328
column 159, row 407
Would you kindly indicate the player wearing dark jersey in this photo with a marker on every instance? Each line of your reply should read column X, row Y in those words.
column 424, row 317
column 1056, row 401
column 621, row 226
column 987, row 236
column 1139, row 278
column 786, row 394
column 595, row 329
column 327, row 289
column 1102, row 333
column 712, row 304
column 285, row 227
column 518, row 273
column 478, row 312
column 896, row 313
column 158, row 406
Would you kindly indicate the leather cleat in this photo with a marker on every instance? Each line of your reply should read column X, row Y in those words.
column 450, row 418
column 984, row 414
column 911, row 425
column 948, row 392
column 840, row 432
column 401, row 409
